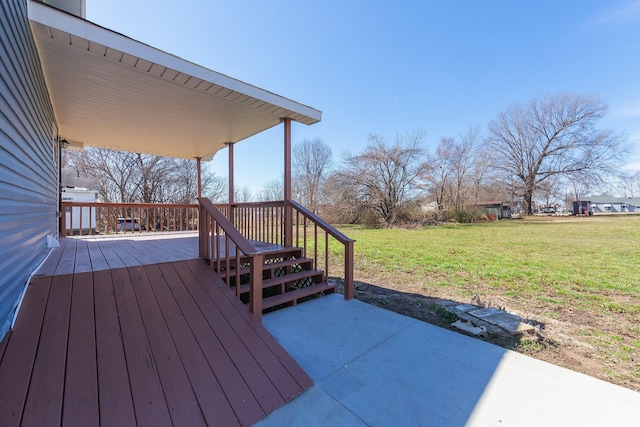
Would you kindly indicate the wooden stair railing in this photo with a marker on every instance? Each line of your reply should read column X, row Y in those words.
column 223, row 245
column 295, row 263
column 305, row 221
column 265, row 221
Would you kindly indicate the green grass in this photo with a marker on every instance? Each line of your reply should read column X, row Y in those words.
column 583, row 261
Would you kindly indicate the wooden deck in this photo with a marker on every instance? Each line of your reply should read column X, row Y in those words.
column 94, row 253
column 113, row 336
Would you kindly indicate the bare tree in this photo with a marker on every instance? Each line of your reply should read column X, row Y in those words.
column 242, row 194
column 216, row 188
column 630, row 183
column 480, row 173
column 340, row 205
column 554, row 135
column 581, row 188
column 458, row 169
column 464, row 164
column 441, row 163
column 133, row 177
column 151, row 173
column 182, row 184
column 385, row 177
column 549, row 190
column 272, row 190
column 311, row 163
column 115, row 171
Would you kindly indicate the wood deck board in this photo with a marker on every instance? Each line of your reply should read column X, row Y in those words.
column 67, row 261
column 50, row 265
column 44, row 400
column 83, row 260
column 304, row 380
column 146, row 390
column 199, row 357
column 282, row 379
column 259, row 383
column 17, row 363
column 115, row 401
column 108, row 255
column 97, row 258
column 154, row 344
column 129, row 256
column 239, row 395
column 159, row 249
column 181, row 400
column 81, row 391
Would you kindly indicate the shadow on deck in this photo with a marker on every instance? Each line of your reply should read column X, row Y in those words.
column 164, row 343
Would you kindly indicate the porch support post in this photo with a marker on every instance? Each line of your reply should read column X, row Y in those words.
column 231, row 189
column 231, row 210
column 199, row 166
column 288, row 211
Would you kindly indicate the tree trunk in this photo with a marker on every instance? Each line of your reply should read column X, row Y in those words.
column 528, row 195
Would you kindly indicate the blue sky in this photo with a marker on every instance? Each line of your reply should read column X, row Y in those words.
column 391, row 67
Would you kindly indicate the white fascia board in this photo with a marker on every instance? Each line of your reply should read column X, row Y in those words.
column 91, row 32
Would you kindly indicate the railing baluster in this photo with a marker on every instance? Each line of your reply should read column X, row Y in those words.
column 315, row 243
column 326, row 256
column 71, row 220
column 227, row 261
column 80, row 227
column 218, row 239
column 237, row 281
column 304, row 235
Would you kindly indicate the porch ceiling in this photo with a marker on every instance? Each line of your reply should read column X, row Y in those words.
column 111, row 91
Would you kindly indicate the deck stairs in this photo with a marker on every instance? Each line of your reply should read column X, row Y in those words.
column 287, row 278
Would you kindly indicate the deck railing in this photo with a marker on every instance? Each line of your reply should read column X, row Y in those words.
column 260, row 221
column 265, row 221
column 312, row 234
column 225, row 247
column 114, row 218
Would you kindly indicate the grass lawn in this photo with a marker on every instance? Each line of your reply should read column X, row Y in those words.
column 580, row 277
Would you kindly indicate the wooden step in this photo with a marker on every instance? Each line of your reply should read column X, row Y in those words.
column 293, row 277
column 285, row 253
column 288, row 278
column 292, row 252
column 295, row 295
column 306, row 264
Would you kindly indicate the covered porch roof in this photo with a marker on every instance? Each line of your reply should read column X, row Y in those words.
column 111, row 91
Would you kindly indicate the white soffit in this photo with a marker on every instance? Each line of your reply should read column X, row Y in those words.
column 111, row 91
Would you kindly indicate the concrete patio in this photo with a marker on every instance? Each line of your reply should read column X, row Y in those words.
column 375, row 367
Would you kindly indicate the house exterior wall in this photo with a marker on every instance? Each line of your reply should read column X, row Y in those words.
column 28, row 159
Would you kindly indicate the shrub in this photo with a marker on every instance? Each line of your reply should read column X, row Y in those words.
column 460, row 215
column 371, row 219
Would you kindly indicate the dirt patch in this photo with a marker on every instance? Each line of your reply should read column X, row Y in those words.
column 573, row 342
